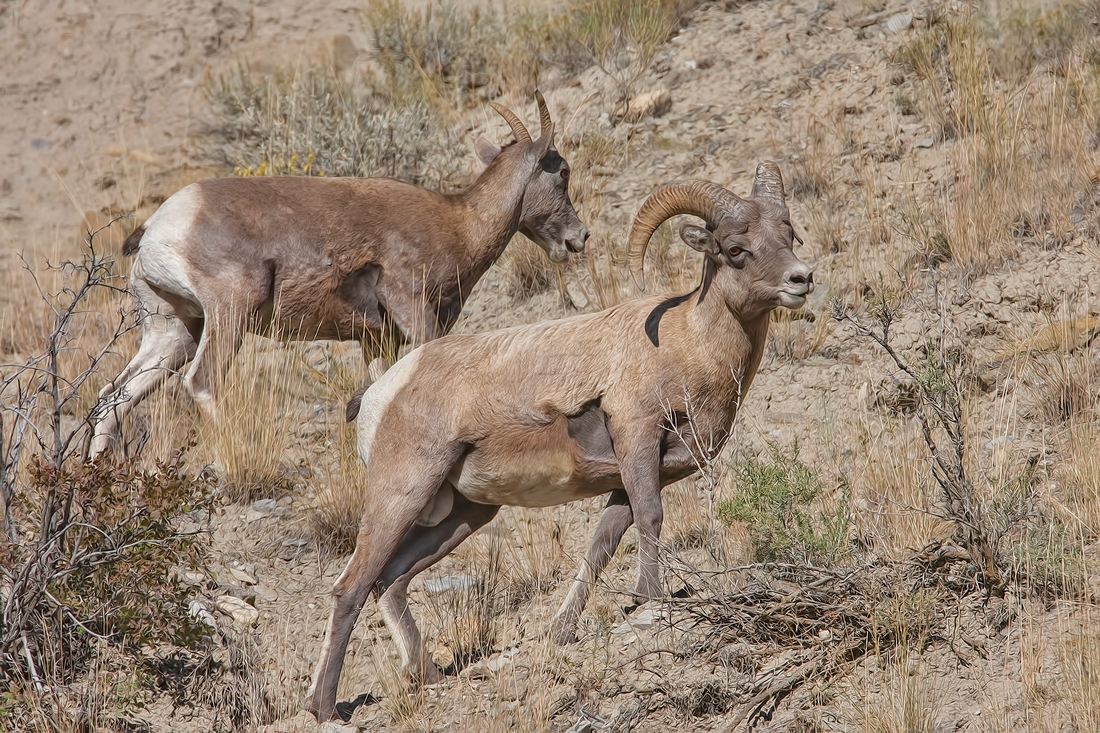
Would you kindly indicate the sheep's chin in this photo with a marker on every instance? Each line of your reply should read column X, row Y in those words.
column 791, row 300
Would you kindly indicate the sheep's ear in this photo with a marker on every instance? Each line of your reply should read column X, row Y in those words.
column 486, row 150
column 699, row 239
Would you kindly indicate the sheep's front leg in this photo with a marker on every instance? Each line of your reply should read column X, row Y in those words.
column 614, row 521
column 640, row 469
column 415, row 315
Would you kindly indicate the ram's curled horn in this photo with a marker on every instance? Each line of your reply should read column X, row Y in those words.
column 708, row 201
column 520, row 132
column 769, row 183
column 544, row 114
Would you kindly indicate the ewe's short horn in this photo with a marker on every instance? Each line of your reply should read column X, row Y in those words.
column 769, row 183
column 708, row 201
column 520, row 132
column 544, row 114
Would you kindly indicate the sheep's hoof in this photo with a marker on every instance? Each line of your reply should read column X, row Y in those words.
column 563, row 635
column 431, row 674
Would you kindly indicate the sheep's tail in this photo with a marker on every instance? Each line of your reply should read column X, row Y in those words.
column 352, row 410
column 130, row 246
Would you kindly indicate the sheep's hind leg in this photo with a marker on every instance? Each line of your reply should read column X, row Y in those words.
column 220, row 342
column 615, row 520
column 390, row 513
column 421, row 548
column 166, row 345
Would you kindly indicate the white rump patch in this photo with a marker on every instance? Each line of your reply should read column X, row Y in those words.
column 167, row 232
column 378, row 397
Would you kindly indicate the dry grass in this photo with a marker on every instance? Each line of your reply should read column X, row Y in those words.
column 1080, row 476
column 341, row 498
column 892, row 493
column 1079, row 657
column 1020, row 131
column 259, row 406
column 907, row 701
column 530, row 272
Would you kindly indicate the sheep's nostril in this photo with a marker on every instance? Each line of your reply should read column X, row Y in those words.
column 587, row 234
column 810, row 278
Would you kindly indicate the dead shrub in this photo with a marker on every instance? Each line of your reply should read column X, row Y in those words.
column 90, row 552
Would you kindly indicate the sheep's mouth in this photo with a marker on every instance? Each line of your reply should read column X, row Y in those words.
column 792, row 300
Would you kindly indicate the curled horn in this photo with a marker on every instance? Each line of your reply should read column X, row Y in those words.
column 522, row 136
column 769, row 183
column 708, row 201
column 544, row 114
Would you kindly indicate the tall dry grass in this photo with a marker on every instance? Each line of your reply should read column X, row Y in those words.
column 1020, row 123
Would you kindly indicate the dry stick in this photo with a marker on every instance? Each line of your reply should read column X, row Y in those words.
column 873, row 18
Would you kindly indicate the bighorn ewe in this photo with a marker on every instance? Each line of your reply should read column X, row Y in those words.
column 329, row 258
column 544, row 414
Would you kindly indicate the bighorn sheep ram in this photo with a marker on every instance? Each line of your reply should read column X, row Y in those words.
column 548, row 413
column 328, row 258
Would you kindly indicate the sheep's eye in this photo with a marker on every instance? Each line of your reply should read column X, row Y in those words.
column 565, row 174
column 735, row 251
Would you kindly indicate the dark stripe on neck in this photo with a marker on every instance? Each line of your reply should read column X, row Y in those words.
column 653, row 320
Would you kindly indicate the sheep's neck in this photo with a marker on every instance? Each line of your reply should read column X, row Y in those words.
column 739, row 349
column 489, row 213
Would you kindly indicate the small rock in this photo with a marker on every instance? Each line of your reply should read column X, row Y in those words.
column 642, row 620
column 268, row 594
column 295, row 542
column 451, row 582
column 198, row 610
column 244, row 593
column 254, row 516
column 650, row 104
column 581, row 726
column 899, row 22
column 340, row 51
column 194, row 577
column 236, row 609
column 466, row 634
column 925, row 143
column 477, row 672
column 243, row 575
column 265, row 505
column 334, row 727
column 500, row 662
column 142, row 157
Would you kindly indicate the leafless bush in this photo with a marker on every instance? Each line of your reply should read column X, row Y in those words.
column 940, row 379
column 90, row 550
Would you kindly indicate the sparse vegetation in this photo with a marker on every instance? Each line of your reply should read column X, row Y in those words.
column 1021, row 130
column 91, row 554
